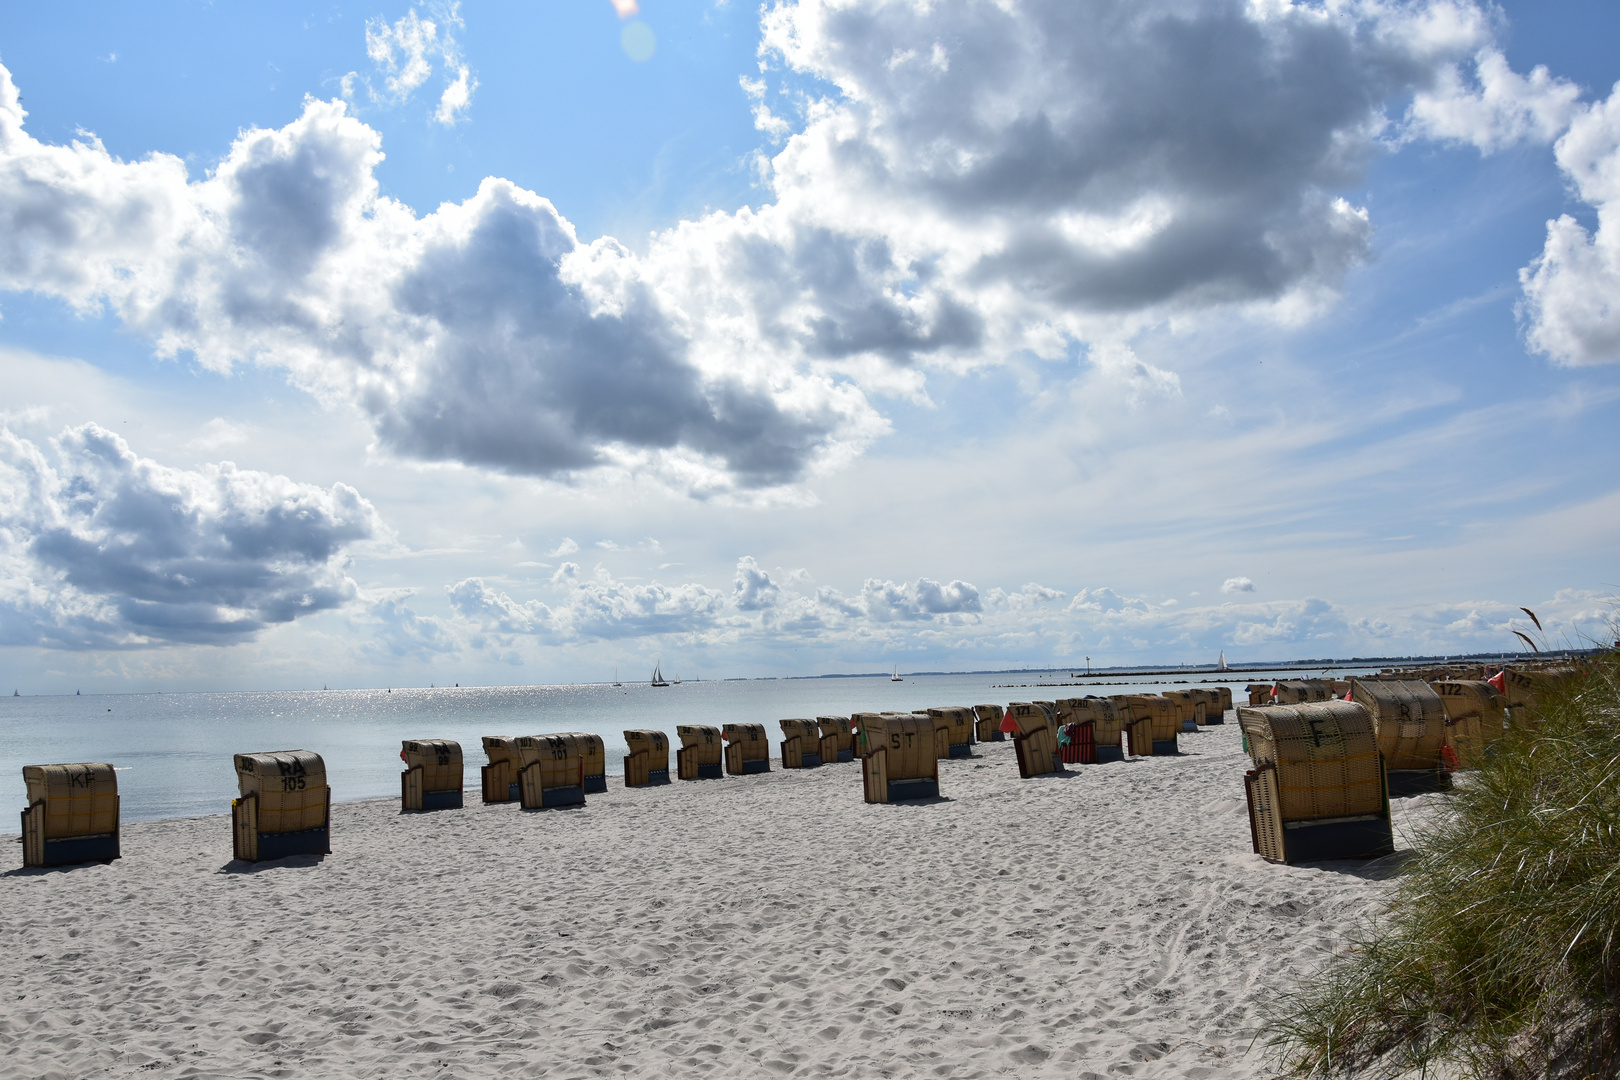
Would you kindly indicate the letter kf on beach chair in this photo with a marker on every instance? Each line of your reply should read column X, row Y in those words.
column 500, row 776
column 953, row 731
column 750, row 749
column 551, row 770
column 837, row 738
column 1410, row 722
column 898, row 760
column 1034, row 734
column 801, row 744
column 647, row 763
column 1317, row 790
column 432, row 779
column 285, row 807
column 1476, row 717
column 72, row 814
column 987, row 725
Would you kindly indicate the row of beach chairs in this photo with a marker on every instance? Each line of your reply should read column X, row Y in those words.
column 284, row 802
column 1327, row 759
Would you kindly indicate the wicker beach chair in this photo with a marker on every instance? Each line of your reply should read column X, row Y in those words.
column 72, row 814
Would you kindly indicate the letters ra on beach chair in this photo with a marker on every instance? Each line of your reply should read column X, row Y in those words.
column 1409, row 720
column 647, row 763
column 551, row 770
column 749, row 750
column 499, row 779
column 988, row 723
column 1300, row 691
column 1189, row 709
column 953, row 731
column 432, row 779
column 285, row 807
column 1317, row 790
column 1215, row 705
column 837, row 738
column 898, row 761
column 1033, row 728
column 72, row 814
column 801, row 744
column 700, row 752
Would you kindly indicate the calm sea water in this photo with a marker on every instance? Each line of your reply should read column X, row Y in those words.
column 173, row 751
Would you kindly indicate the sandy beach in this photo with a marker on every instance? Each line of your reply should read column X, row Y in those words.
column 1110, row 922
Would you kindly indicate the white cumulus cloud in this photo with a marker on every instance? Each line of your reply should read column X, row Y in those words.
column 1237, row 585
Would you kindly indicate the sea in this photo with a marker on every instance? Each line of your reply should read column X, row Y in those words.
column 173, row 750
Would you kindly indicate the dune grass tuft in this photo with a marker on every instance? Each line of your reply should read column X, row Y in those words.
column 1499, row 955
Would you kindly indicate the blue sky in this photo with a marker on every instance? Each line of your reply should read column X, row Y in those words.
column 833, row 335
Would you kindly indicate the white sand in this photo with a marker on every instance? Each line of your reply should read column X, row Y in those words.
column 1108, row 923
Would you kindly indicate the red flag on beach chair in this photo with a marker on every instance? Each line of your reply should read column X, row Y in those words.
column 1499, row 680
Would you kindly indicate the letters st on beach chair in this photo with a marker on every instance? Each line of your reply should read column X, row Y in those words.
column 285, row 807
column 1409, row 720
column 748, row 750
column 1150, row 721
column 1317, row 790
column 953, row 731
column 432, row 779
column 801, row 744
column 837, row 738
column 1476, row 717
column 1213, row 711
column 647, row 763
column 551, row 770
column 700, row 752
column 1033, row 728
column 987, row 724
column 500, row 776
column 898, row 760
column 72, row 814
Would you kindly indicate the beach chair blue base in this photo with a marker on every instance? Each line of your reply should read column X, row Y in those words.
column 759, row 765
column 1105, row 754
column 961, row 750
column 441, row 800
column 711, row 772
column 999, row 736
column 809, row 761
column 1218, row 718
column 596, row 784
column 1406, row 782
column 561, row 796
column 1368, row 838
column 280, row 845
column 67, row 850
column 901, row 790
column 1165, row 747
column 657, row 776
column 849, row 755
column 1189, row 725
column 512, row 792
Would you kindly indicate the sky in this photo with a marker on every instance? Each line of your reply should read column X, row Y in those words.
column 525, row 343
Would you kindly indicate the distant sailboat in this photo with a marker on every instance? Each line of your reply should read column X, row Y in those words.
column 676, row 680
column 658, row 676
column 896, row 676
column 616, row 681
column 1221, row 666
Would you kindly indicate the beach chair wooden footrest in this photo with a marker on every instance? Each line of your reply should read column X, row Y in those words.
column 67, row 850
column 1406, row 782
column 442, row 800
column 280, row 845
column 1109, row 754
column 1165, row 746
column 595, row 785
column 961, row 750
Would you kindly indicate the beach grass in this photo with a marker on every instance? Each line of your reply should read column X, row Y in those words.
column 1499, row 953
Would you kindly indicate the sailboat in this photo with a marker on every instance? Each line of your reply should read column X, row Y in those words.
column 1221, row 666
column 616, row 681
column 676, row 680
column 658, row 676
column 896, row 676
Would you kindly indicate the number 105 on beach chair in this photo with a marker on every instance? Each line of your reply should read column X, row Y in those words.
column 72, row 814
column 285, row 807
